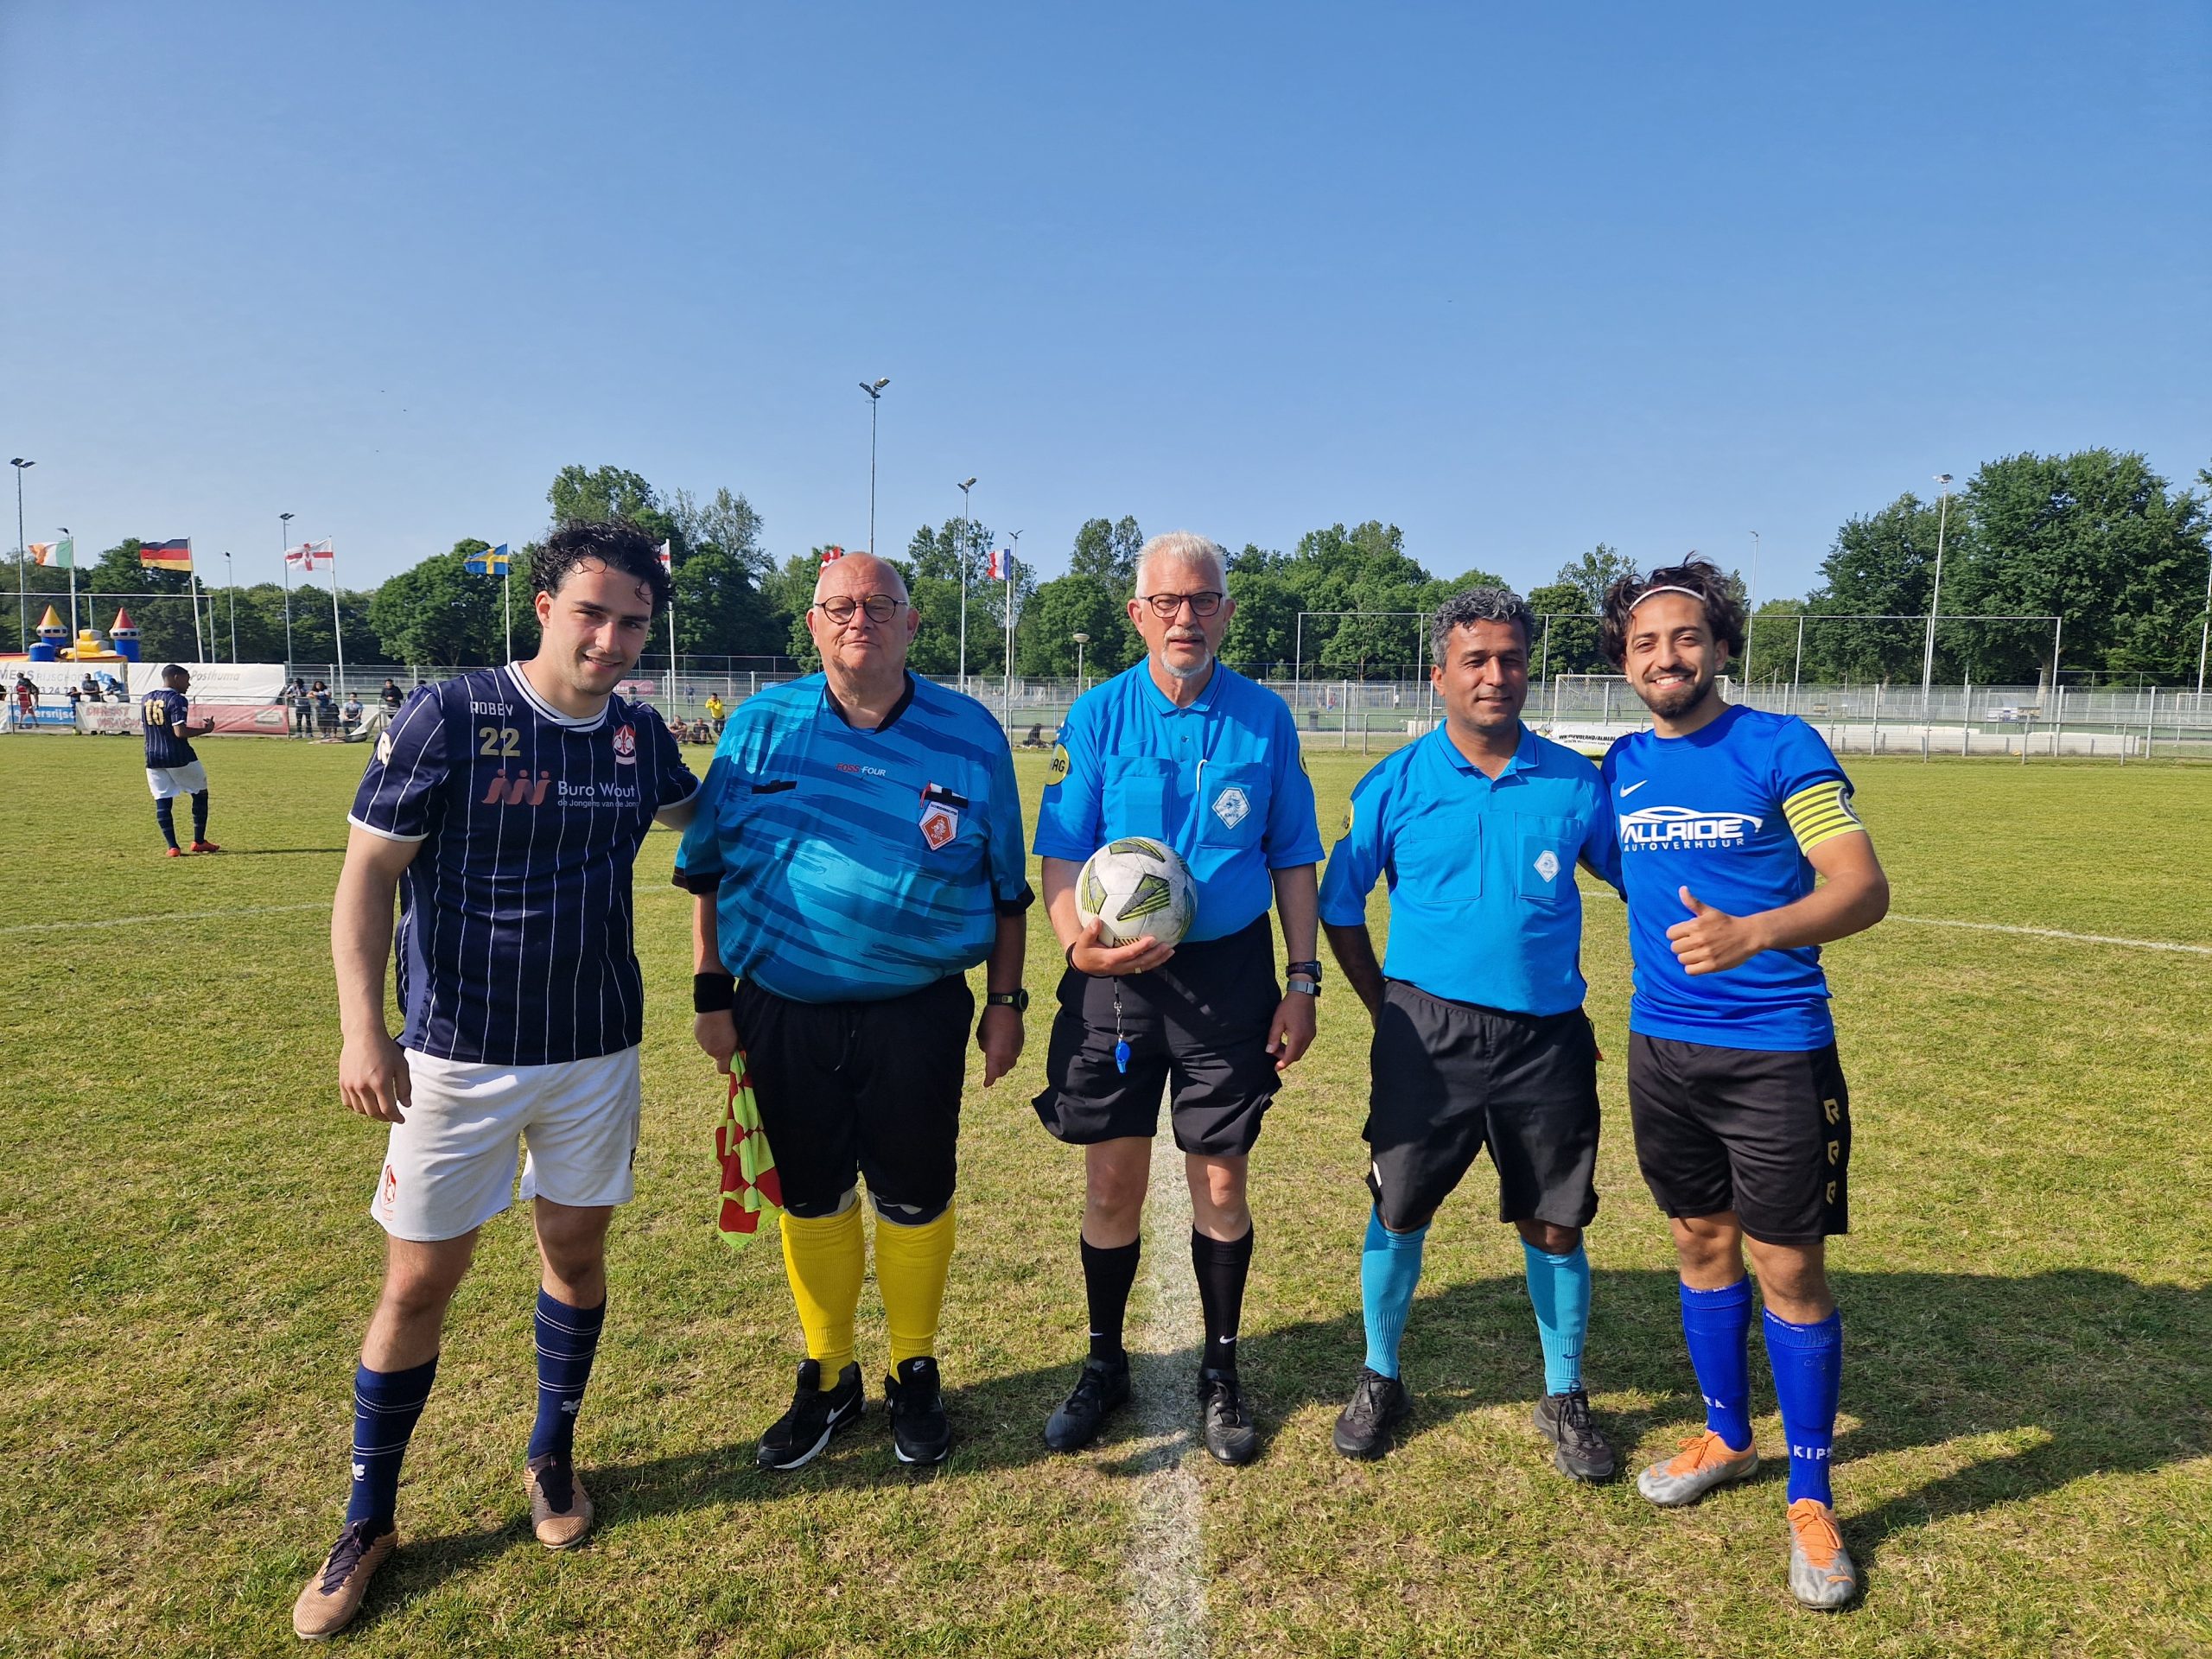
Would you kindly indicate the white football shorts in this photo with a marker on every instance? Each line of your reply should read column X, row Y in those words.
column 170, row 782
column 450, row 1167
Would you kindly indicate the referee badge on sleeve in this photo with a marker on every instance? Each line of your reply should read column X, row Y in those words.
column 941, row 810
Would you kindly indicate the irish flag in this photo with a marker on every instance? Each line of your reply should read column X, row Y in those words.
column 166, row 555
column 59, row 555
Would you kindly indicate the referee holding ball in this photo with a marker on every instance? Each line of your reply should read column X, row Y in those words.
column 1186, row 752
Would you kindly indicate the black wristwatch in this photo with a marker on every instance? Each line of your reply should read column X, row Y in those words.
column 1017, row 999
column 1306, row 971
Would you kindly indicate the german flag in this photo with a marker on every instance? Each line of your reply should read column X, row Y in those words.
column 166, row 555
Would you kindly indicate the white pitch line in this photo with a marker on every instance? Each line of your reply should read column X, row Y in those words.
column 2058, row 933
column 173, row 916
column 1167, row 1591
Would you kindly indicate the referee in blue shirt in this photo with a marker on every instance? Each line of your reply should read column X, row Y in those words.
column 1480, row 1040
column 1185, row 751
column 859, row 851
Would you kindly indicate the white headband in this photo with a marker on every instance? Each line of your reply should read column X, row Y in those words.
column 1686, row 593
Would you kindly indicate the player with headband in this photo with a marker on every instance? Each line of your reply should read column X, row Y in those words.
column 1740, row 855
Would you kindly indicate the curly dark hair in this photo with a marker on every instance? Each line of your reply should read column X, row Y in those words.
column 1702, row 578
column 613, row 543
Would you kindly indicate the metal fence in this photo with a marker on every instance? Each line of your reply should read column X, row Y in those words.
column 1373, row 716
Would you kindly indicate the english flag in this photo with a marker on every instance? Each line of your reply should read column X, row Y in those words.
column 663, row 551
column 166, row 555
column 832, row 551
column 1002, row 565
column 311, row 555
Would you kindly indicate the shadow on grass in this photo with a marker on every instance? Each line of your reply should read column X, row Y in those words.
column 2115, row 1376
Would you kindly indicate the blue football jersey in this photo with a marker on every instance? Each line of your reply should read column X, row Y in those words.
column 1728, row 812
column 514, row 945
column 163, row 714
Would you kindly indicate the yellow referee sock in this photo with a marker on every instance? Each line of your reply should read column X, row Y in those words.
column 824, row 1257
column 911, row 1264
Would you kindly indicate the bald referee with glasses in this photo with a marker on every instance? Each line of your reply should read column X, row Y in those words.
column 1187, row 751
column 859, row 851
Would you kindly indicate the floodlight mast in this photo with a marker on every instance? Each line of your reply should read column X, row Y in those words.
column 22, row 595
column 967, row 537
column 874, row 391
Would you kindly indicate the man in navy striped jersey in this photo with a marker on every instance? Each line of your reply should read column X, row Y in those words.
column 505, row 810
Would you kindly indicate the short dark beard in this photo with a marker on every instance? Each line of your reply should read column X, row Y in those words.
column 1672, row 705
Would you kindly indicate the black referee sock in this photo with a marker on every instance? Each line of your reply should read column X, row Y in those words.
column 1221, row 1269
column 1106, row 1276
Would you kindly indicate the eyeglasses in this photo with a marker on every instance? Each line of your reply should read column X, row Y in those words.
column 880, row 607
column 1164, row 605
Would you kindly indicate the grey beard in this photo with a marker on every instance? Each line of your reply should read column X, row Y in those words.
column 1190, row 673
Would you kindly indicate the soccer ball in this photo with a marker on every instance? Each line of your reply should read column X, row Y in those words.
column 1136, row 886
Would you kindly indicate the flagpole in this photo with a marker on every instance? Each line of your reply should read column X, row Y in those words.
column 199, row 648
column 336, row 632
column 507, row 603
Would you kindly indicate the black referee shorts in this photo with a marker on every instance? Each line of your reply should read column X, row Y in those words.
column 1451, row 1078
column 1766, row 1135
column 1199, row 1021
column 849, row 1089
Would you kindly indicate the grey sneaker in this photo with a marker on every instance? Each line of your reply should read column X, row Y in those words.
column 1822, row 1573
column 1705, row 1461
column 1579, row 1449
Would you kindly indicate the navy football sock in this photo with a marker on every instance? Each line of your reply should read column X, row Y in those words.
column 567, row 1337
column 1808, row 1361
column 1221, row 1267
column 1718, row 1326
column 385, row 1406
column 165, row 815
column 200, row 816
column 1106, row 1276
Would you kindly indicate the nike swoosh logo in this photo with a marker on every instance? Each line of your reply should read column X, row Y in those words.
column 1628, row 790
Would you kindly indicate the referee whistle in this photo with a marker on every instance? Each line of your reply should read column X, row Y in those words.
column 1121, row 1054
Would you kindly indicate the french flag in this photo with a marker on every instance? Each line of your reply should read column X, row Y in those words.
column 1002, row 565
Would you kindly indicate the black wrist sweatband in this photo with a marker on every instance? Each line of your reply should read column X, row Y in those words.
column 713, row 992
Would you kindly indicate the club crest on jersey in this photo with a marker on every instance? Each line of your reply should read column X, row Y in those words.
column 1686, row 826
column 940, row 815
column 1232, row 806
column 626, row 746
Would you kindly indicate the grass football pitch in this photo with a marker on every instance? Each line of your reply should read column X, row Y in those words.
column 2023, row 1466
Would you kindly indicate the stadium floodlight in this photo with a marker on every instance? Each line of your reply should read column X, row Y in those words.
column 874, row 401
column 1934, row 599
column 284, row 545
column 1081, row 641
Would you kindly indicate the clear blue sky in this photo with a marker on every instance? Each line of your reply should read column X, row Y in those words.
column 1517, row 279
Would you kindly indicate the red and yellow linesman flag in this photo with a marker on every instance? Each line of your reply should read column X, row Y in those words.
column 166, row 555
column 750, row 1184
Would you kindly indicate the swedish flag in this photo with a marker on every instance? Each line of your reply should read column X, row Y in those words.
column 491, row 563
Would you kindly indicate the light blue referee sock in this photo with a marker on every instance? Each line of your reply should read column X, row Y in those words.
column 1389, row 1268
column 1559, row 1287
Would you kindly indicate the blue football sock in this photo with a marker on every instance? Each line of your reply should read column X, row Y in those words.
column 1389, row 1268
column 1559, row 1287
column 1717, row 1324
column 1808, row 1361
column 165, row 815
column 385, row 1406
column 567, row 1337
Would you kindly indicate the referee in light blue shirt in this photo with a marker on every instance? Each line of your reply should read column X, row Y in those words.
column 1480, row 1040
column 1189, row 753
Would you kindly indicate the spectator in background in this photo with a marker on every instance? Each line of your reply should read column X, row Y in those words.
column 296, row 697
column 391, row 695
column 326, row 710
column 716, row 713
column 350, row 716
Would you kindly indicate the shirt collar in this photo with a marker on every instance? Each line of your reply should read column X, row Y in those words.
column 829, row 701
column 547, row 711
column 1524, row 759
column 1164, row 704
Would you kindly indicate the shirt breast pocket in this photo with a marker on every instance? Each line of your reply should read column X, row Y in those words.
column 1440, row 863
column 1544, row 857
column 1134, row 796
column 1235, row 810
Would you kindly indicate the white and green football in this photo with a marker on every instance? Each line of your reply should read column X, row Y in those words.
column 1133, row 887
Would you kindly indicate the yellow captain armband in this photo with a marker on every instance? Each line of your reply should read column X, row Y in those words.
column 1820, row 813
